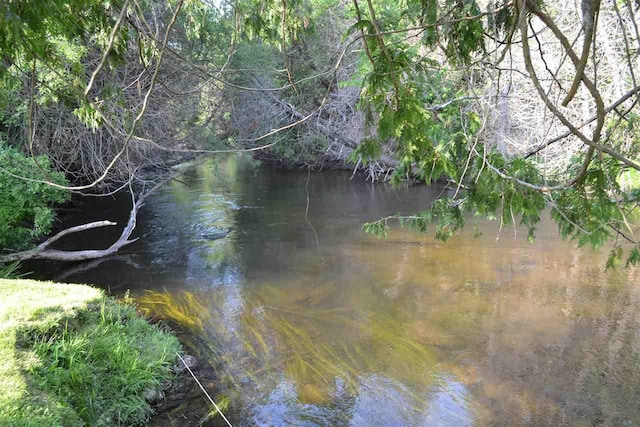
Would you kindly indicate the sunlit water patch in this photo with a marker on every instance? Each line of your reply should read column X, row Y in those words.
column 309, row 321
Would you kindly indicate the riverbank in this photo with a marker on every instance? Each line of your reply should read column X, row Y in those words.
column 72, row 356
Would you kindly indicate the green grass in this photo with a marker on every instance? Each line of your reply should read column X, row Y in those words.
column 71, row 356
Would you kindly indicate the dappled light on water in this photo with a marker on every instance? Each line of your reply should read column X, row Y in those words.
column 351, row 330
column 280, row 340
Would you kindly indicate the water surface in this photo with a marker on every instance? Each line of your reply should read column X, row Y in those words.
column 309, row 321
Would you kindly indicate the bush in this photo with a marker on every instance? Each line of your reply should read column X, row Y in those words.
column 26, row 207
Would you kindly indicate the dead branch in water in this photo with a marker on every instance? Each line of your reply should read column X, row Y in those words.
column 42, row 251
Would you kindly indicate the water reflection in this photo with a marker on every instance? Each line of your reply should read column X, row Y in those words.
column 403, row 331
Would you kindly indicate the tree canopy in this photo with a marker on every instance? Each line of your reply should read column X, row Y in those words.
column 517, row 106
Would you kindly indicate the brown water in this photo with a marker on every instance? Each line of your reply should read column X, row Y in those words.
column 311, row 322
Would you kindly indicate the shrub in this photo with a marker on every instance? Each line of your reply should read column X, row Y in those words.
column 26, row 207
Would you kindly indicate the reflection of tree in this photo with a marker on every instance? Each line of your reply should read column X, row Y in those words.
column 532, row 333
column 178, row 220
column 566, row 353
column 538, row 333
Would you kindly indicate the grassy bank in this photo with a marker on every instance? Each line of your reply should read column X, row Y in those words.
column 71, row 356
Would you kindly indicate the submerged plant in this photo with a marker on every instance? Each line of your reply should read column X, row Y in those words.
column 272, row 336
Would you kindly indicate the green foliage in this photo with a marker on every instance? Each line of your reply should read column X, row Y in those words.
column 583, row 214
column 26, row 207
column 402, row 97
column 31, row 29
column 464, row 37
column 440, row 143
column 255, row 55
column 504, row 17
column 428, row 16
column 493, row 196
column 378, row 228
column 397, row 93
column 368, row 150
column 208, row 32
column 263, row 19
column 629, row 180
column 634, row 257
column 48, row 49
column 52, row 41
column 10, row 271
column 74, row 357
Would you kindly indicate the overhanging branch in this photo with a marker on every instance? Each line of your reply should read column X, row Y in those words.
column 42, row 251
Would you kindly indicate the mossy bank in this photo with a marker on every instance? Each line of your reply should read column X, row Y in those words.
column 72, row 356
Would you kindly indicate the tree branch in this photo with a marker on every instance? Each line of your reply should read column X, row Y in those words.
column 42, row 252
column 33, row 253
column 560, row 137
column 593, row 144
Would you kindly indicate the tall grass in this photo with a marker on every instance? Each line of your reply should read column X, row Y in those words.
column 90, row 366
column 103, row 368
column 10, row 271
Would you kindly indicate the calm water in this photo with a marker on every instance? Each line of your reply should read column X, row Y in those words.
column 311, row 322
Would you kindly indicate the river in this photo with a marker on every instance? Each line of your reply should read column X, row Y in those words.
column 309, row 321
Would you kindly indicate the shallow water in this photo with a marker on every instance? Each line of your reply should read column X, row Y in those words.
column 309, row 321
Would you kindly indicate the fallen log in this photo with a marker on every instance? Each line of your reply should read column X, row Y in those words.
column 42, row 251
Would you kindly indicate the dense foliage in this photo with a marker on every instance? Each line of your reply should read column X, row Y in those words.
column 437, row 80
column 77, row 81
column 492, row 99
column 81, row 92
column 26, row 208
column 587, row 201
